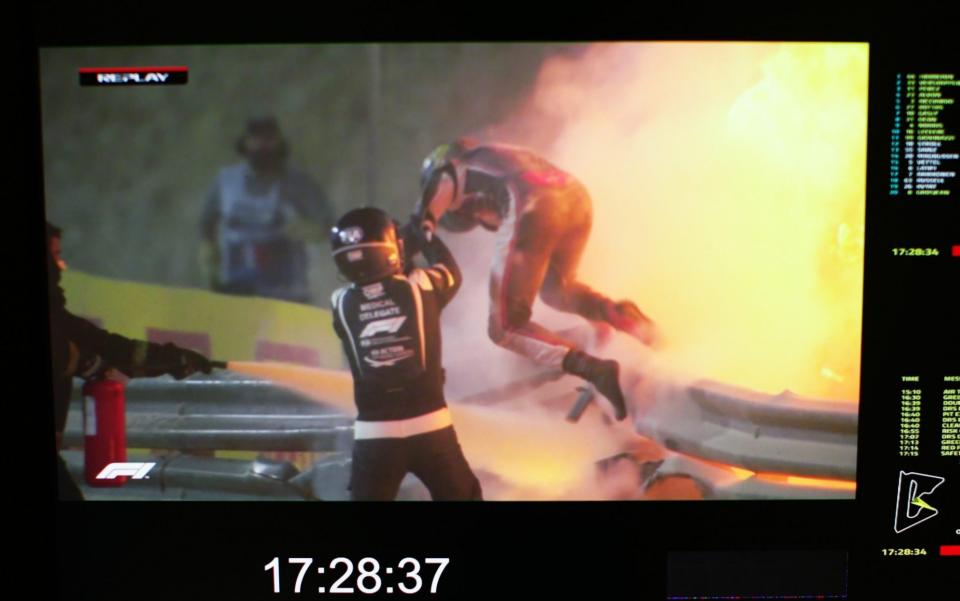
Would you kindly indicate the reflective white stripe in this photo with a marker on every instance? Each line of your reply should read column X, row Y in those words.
column 362, row 245
column 335, row 297
column 418, row 301
column 402, row 428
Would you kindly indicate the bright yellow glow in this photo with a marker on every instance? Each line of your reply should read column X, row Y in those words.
column 781, row 479
column 728, row 184
column 740, row 473
column 804, row 482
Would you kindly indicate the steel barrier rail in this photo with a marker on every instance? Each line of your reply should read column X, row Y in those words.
column 222, row 413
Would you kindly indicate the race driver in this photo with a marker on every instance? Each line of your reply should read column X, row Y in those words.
column 542, row 216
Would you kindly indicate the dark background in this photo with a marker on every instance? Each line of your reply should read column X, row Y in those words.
column 604, row 550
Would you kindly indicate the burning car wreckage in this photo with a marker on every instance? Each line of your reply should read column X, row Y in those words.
column 690, row 438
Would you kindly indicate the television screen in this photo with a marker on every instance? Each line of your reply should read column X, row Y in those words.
column 662, row 315
column 715, row 189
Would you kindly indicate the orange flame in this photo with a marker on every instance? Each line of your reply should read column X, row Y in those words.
column 739, row 474
column 728, row 182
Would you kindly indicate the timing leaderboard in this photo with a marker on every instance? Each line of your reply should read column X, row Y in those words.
column 910, row 476
column 923, row 147
column 945, row 392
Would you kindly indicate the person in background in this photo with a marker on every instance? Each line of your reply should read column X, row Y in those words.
column 258, row 218
column 388, row 320
column 78, row 348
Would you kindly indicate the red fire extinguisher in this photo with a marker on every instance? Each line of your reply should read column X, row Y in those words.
column 104, row 431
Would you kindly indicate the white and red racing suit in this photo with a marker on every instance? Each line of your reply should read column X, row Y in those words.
column 542, row 216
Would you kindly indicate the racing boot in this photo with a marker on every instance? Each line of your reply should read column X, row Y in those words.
column 627, row 317
column 602, row 373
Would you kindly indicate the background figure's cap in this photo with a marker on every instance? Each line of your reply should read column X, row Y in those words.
column 263, row 124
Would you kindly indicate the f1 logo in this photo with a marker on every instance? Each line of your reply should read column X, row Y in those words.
column 383, row 326
column 911, row 508
column 136, row 471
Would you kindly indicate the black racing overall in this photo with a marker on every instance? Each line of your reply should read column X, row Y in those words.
column 390, row 330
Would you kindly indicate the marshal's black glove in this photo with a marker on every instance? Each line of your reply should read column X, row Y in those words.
column 178, row 362
column 414, row 238
column 90, row 367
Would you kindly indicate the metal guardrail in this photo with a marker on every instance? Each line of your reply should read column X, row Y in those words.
column 186, row 477
column 222, row 412
column 704, row 421
column 783, row 433
column 226, row 411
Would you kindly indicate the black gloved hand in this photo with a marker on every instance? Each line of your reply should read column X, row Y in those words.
column 411, row 240
column 414, row 238
column 423, row 228
column 178, row 362
column 90, row 367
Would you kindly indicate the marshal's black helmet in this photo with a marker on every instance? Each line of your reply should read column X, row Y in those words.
column 365, row 245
